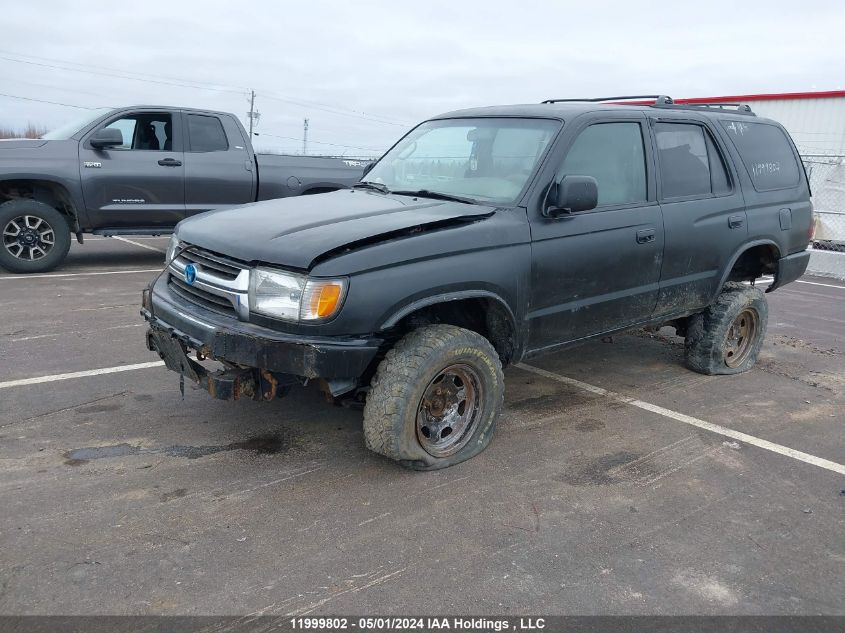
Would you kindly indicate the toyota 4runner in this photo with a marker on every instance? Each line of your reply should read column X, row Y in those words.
column 484, row 237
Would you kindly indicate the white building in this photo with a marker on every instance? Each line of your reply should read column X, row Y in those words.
column 815, row 120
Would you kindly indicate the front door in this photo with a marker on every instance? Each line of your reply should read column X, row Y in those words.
column 598, row 270
column 141, row 183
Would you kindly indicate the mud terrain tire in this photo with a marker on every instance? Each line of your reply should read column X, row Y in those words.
column 726, row 338
column 435, row 398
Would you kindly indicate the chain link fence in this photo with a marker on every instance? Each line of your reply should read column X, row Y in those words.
column 827, row 179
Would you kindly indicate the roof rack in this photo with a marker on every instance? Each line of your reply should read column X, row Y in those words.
column 662, row 101
column 738, row 108
column 658, row 99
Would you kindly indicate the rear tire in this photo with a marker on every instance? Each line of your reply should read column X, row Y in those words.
column 34, row 237
column 435, row 398
column 727, row 337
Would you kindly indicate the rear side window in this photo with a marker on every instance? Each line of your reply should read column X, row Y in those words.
column 205, row 134
column 766, row 152
column 690, row 164
column 613, row 154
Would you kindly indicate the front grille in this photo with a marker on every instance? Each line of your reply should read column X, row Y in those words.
column 220, row 265
column 199, row 296
column 218, row 282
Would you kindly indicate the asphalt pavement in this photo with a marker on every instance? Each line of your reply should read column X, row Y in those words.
column 618, row 482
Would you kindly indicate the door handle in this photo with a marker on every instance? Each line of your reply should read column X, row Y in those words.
column 736, row 221
column 645, row 236
column 170, row 162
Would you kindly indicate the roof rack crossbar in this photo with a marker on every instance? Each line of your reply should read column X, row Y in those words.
column 657, row 98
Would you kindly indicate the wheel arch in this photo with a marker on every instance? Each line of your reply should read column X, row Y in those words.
column 481, row 311
column 750, row 261
column 51, row 192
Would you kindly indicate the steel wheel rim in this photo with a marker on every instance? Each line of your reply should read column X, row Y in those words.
column 449, row 410
column 28, row 237
column 741, row 336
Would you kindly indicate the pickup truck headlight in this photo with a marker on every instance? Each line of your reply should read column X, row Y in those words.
column 171, row 248
column 294, row 297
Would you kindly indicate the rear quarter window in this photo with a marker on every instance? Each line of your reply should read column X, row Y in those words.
column 766, row 153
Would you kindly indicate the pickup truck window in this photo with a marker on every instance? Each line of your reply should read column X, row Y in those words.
column 690, row 164
column 614, row 155
column 486, row 159
column 205, row 134
column 766, row 153
column 147, row 131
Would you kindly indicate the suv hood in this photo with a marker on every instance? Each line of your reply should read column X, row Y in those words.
column 298, row 232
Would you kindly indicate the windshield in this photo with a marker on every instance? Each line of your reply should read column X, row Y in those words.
column 486, row 159
column 69, row 129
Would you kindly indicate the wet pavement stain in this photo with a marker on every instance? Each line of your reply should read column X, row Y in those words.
column 174, row 494
column 269, row 444
column 597, row 472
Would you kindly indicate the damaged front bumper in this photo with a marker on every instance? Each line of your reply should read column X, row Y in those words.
column 258, row 362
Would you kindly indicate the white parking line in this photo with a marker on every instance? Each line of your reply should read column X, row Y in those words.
column 688, row 419
column 88, row 274
column 79, row 374
column 148, row 247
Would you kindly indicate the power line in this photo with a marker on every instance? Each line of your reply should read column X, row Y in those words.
column 197, row 85
column 69, row 105
column 300, row 140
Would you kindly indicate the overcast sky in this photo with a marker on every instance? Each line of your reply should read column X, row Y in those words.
column 363, row 71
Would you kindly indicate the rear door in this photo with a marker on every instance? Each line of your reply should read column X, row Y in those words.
column 139, row 184
column 703, row 211
column 598, row 270
column 219, row 167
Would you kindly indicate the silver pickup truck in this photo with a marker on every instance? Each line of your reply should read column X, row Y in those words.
column 139, row 171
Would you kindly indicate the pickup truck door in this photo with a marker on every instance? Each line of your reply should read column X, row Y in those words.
column 703, row 211
column 598, row 270
column 220, row 169
column 139, row 184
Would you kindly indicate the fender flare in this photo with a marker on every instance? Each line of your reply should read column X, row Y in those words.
column 747, row 245
column 74, row 198
column 446, row 297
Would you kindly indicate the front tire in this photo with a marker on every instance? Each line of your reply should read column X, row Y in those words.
column 35, row 237
column 727, row 337
column 435, row 398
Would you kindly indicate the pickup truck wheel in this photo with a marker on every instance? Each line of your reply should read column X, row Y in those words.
column 726, row 338
column 35, row 237
column 435, row 398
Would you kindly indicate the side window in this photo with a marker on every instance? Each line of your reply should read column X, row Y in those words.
column 205, row 134
column 147, row 131
column 766, row 153
column 690, row 164
column 613, row 154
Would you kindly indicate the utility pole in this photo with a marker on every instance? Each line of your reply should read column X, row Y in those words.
column 252, row 115
column 305, row 136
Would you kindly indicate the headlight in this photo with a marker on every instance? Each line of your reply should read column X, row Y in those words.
column 294, row 297
column 171, row 248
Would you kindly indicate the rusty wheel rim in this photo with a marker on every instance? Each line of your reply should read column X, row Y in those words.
column 741, row 336
column 449, row 411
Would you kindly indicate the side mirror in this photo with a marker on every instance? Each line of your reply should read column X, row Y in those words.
column 571, row 195
column 106, row 137
column 368, row 168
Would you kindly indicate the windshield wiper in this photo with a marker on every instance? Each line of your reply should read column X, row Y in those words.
column 436, row 195
column 369, row 184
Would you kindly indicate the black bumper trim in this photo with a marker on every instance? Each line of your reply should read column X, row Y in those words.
column 789, row 269
column 308, row 358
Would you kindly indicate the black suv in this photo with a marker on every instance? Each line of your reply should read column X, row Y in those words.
column 484, row 237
